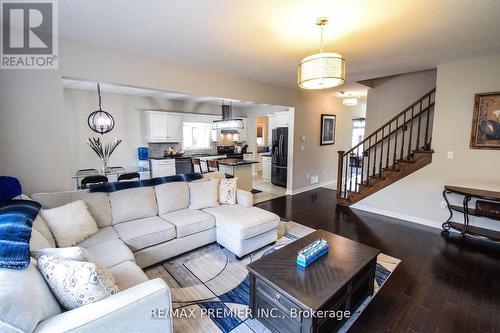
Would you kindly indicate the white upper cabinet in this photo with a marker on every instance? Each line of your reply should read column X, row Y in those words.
column 163, row 127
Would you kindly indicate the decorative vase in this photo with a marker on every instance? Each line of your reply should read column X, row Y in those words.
column 105, row 167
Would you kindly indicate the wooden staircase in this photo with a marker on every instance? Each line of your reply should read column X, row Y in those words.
column 398, row 148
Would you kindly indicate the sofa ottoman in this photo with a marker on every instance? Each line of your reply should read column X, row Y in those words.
column 244, row 229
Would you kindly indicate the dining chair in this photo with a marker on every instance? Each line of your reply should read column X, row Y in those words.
column 129, row 176
column 91, row 180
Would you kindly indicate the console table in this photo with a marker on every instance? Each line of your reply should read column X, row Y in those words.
column 464, row 209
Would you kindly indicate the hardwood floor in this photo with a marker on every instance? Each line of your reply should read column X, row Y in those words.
column 440, row 286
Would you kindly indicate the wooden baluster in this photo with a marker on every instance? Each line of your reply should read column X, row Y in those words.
column 346, row 175
column 419, row 121
column 358, row 164
column 381, row 153
column 411, row 134
column 403, row 136
column 339, row 172
column 427, row 123
column 362, row 163
column 369, row 150
column 375, row 155
column 395, row 144
column 388, row 147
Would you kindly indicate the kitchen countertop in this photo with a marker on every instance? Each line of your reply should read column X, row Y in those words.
column 235, row 162
column 185, row 156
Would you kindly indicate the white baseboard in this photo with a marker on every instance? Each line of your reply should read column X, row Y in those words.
column 410, row 218
column 311, row 187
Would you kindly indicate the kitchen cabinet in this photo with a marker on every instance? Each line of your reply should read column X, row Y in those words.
column 163, row 127
column 162, row 168
column 279, row 119
column 266, row 168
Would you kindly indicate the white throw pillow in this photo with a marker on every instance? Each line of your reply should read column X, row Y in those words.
column 76, row 283
column 75, row 253
column 204, row 194
column 227, row 191
column 71, row 223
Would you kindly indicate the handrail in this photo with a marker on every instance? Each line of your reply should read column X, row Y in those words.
column 393, row 119
column 399, row 127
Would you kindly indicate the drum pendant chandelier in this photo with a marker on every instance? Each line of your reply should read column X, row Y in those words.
column 321, row 70
column 100, row 121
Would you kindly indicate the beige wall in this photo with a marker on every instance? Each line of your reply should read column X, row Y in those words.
column 391, row 95
column 309, row 157
column 418, row 196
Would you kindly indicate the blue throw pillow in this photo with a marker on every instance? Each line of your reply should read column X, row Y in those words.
column 9, row 188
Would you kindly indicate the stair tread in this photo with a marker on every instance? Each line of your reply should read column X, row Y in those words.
column 424, row 151
column 391, row 169
column 404, row 160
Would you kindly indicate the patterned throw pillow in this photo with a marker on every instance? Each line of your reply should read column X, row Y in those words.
column 76, row 283
column 227, row 191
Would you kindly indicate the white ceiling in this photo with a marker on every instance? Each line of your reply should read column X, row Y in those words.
column 266, row 39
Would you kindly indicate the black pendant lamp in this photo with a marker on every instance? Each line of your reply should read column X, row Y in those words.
column 101, row 121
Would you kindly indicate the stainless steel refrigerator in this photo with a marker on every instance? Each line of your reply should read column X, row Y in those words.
column 279, row 154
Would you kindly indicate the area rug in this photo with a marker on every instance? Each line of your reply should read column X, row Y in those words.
column 210, row 280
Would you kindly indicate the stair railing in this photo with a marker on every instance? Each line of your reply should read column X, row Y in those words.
column 383, row 149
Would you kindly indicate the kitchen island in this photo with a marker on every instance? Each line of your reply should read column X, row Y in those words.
column 241, row 169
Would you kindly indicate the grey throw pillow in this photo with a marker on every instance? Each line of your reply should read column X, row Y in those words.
column 76, row 283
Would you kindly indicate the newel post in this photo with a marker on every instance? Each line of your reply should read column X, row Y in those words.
column 339, row 172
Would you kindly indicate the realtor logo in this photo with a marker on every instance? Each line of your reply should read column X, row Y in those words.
column 29, row 35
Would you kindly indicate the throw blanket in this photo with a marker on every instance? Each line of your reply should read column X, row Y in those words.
column 9, row 188
column 16, row 219
column 118, row 186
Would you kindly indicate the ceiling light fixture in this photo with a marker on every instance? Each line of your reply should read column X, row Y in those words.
column 321, row 70
column 228, row 121
column 350, row 101
column 100, row 121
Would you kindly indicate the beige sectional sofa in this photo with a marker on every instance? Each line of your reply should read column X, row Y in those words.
column 139, row 227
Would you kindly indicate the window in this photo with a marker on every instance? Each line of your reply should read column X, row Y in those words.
column 358, row 131
column 196, row 135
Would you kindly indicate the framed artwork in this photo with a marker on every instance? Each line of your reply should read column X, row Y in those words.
column 327, row 129
column 485, row 132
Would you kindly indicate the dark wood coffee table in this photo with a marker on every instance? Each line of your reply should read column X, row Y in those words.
column 283, row 295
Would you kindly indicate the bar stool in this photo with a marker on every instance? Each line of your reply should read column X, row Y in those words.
column 196, row 162
column 214, row 164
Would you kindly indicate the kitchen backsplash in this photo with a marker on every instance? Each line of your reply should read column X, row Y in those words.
column 158, row 149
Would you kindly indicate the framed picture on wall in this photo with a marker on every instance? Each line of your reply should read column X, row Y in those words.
column 485, row 132
column 327, row 129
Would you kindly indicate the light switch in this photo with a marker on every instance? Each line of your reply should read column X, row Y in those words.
column 303, row 138
column 450, row 155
